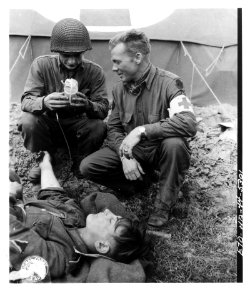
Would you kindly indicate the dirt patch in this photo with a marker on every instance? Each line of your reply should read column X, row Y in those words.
column 201, row 241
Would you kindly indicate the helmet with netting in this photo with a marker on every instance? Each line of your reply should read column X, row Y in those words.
column 70, row 35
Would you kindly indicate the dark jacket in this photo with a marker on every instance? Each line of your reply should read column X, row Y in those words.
column 45, row 77
column 149, row 108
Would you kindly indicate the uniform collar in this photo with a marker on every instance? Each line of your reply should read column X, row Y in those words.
column 91, row 255
column 81, row 248
column 150, row 76
column 79, row 243
column 135, row 87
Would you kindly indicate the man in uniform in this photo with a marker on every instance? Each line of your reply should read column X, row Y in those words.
column 150, row 119
column 63, row 232
column 51, row 117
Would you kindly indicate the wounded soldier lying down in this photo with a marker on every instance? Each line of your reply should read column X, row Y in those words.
column 52, row 236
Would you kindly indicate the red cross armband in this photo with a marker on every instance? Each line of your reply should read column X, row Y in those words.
column 179, row 104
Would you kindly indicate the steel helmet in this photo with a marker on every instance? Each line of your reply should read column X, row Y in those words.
column 70, row 35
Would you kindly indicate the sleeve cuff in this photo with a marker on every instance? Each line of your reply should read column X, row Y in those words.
column 39, row 104
column 153, row 131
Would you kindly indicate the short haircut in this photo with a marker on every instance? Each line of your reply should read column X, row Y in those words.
column 134, row 40
column 131, row 242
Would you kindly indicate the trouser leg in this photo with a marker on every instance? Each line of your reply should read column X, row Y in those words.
column 105, row 167
column 85, row 135
column 43, row 133
column 173, row 158
column 39, row 132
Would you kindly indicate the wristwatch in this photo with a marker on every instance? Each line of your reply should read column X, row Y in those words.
column 142, row 131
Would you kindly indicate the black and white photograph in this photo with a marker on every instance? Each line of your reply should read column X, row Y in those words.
column 125, row 145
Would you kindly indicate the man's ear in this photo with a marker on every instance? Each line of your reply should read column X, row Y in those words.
column 138, row 57
column 102, row 247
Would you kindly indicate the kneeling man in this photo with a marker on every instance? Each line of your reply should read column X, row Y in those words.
column 147, row 129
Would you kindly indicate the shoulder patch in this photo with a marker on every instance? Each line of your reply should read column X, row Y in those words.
column 33, row 269
column 179, row 104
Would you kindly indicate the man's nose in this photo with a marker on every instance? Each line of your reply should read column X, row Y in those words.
column 106, row 211
column 71, row 60
column 114, row 68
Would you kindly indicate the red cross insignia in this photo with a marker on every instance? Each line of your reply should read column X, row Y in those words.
column 179, row 104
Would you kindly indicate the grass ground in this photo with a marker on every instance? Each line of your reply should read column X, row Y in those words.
column 200, row 242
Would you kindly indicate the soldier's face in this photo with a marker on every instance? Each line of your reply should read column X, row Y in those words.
column 124, row 65
column 102, row 225
column 71, row 60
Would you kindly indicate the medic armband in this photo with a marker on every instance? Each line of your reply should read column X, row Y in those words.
column 179, row 104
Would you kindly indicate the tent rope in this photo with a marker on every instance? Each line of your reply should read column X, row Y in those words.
column 210, row 68
column 212, row 65
column 26, row 43
column 191, row 85
column 186, row 53
column 178, row 55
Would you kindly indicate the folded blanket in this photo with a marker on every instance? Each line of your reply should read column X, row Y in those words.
column 105, row 270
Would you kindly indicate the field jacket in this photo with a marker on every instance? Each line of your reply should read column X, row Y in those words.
column 149, row 108
column 47, row 75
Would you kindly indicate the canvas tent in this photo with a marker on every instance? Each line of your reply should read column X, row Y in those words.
column 200, row 45
column 105, row 17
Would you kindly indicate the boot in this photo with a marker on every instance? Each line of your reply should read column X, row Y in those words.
column 158, row 218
